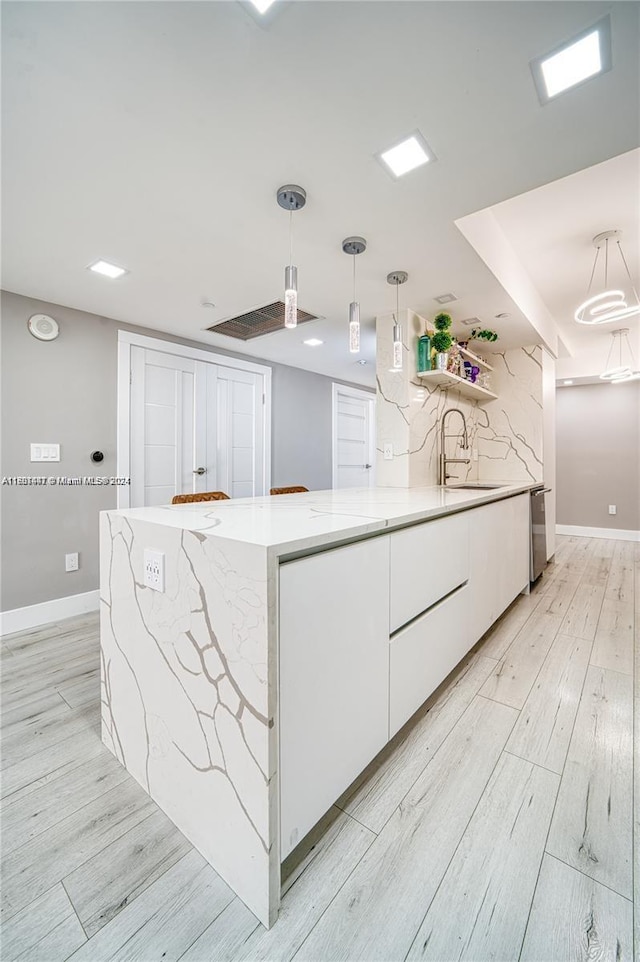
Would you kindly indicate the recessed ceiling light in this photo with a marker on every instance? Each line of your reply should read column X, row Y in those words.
column 109, row 270
column 567, row 383
column 413, row 151
column 574, row 62
column 313, row 342
column 446, row 298
column 262, row 5
column 362, row 361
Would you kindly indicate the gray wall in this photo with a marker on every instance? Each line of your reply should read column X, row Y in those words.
column 598, row 451
column 65, row 391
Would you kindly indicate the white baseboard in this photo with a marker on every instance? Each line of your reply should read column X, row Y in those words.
column 578, row 531
column 20, row 619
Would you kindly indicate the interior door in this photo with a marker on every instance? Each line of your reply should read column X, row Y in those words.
column 194, row 426
column 353, row 439
column 235, row 400
column 166, row 440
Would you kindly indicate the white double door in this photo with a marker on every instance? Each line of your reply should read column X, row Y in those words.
column 194, row 426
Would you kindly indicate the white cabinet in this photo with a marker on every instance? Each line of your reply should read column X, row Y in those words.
column 499, row 537
column 423, row 654
column 334, row 677
column 368, row 631
column 428, row 561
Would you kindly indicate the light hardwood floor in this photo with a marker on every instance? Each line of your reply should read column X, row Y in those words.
column 498, row 824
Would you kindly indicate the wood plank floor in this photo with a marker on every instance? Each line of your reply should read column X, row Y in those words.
column 498, row 824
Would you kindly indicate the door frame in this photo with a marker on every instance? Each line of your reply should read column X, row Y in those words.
column 126, row 340
column 362, row 395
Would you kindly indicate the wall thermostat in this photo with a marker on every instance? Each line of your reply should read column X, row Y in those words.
column 97, row 456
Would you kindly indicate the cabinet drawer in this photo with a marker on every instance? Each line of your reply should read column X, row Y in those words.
column 423, row 654
column 427, row 562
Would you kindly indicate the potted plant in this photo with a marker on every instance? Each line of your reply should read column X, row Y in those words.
column 442, row 340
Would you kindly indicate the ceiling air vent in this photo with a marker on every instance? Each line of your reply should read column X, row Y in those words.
column 472, row 322
column 263, row 320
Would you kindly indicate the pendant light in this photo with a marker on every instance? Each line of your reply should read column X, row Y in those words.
column 291, row 198
column 610, row 304
column 354, row 246
column 397, row 278
column 621, row 373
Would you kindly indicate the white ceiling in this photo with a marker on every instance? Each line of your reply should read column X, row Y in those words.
column 155, row 135
column 552, row 228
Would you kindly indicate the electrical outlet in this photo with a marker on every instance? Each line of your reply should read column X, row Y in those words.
column 612, row 509
column 387, row 448
column 154, row 569
column 71, row 561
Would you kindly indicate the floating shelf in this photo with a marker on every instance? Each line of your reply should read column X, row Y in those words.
column 470, row 356
column 467, row 388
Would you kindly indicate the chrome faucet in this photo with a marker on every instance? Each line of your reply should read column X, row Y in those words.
column 444, row 460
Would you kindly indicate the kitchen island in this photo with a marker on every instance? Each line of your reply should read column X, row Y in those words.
column 286, row 640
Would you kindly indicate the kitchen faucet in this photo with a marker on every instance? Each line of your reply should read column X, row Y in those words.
column 444, row 460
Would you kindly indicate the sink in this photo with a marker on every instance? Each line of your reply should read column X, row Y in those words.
column 475, row 486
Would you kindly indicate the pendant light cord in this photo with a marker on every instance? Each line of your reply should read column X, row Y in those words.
column 630, row 350
column 593, row 271
column 606, row 264
column 613, row 343
column 626, row 266
column 354, row 277
column 290, row 238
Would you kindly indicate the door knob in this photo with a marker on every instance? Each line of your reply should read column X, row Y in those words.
column 367, row 465
column 200, row 471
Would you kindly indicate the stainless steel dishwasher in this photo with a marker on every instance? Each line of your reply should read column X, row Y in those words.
column 538, row 532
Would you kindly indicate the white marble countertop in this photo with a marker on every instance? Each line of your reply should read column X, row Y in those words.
column 297, row 522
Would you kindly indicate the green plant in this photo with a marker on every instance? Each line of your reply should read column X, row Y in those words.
column 442, row 341
column 478, row 334
column 442, row 321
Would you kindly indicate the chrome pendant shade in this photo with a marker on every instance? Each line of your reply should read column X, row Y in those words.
column 610, row 304
column 397, row 278
column 354, row 246
column 291, row 198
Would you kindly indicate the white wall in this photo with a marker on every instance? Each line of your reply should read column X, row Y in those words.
column 598, row 447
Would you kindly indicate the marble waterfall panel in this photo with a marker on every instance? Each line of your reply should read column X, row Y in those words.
column 510, row 429
column 187, row 706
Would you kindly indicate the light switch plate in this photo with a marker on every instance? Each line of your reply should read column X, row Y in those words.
column 44, row 451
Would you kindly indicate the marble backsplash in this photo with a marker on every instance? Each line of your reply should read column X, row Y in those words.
column 506, row 432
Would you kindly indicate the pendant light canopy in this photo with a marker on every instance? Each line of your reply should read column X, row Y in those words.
column 354, row 246
column 610, row 304
column 291, row 198
column 622, row 372
column 397, row 278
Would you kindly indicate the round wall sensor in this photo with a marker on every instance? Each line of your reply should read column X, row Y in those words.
column 43, row 327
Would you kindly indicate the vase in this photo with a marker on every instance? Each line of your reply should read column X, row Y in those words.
column 442, row 359
column 424, row 354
